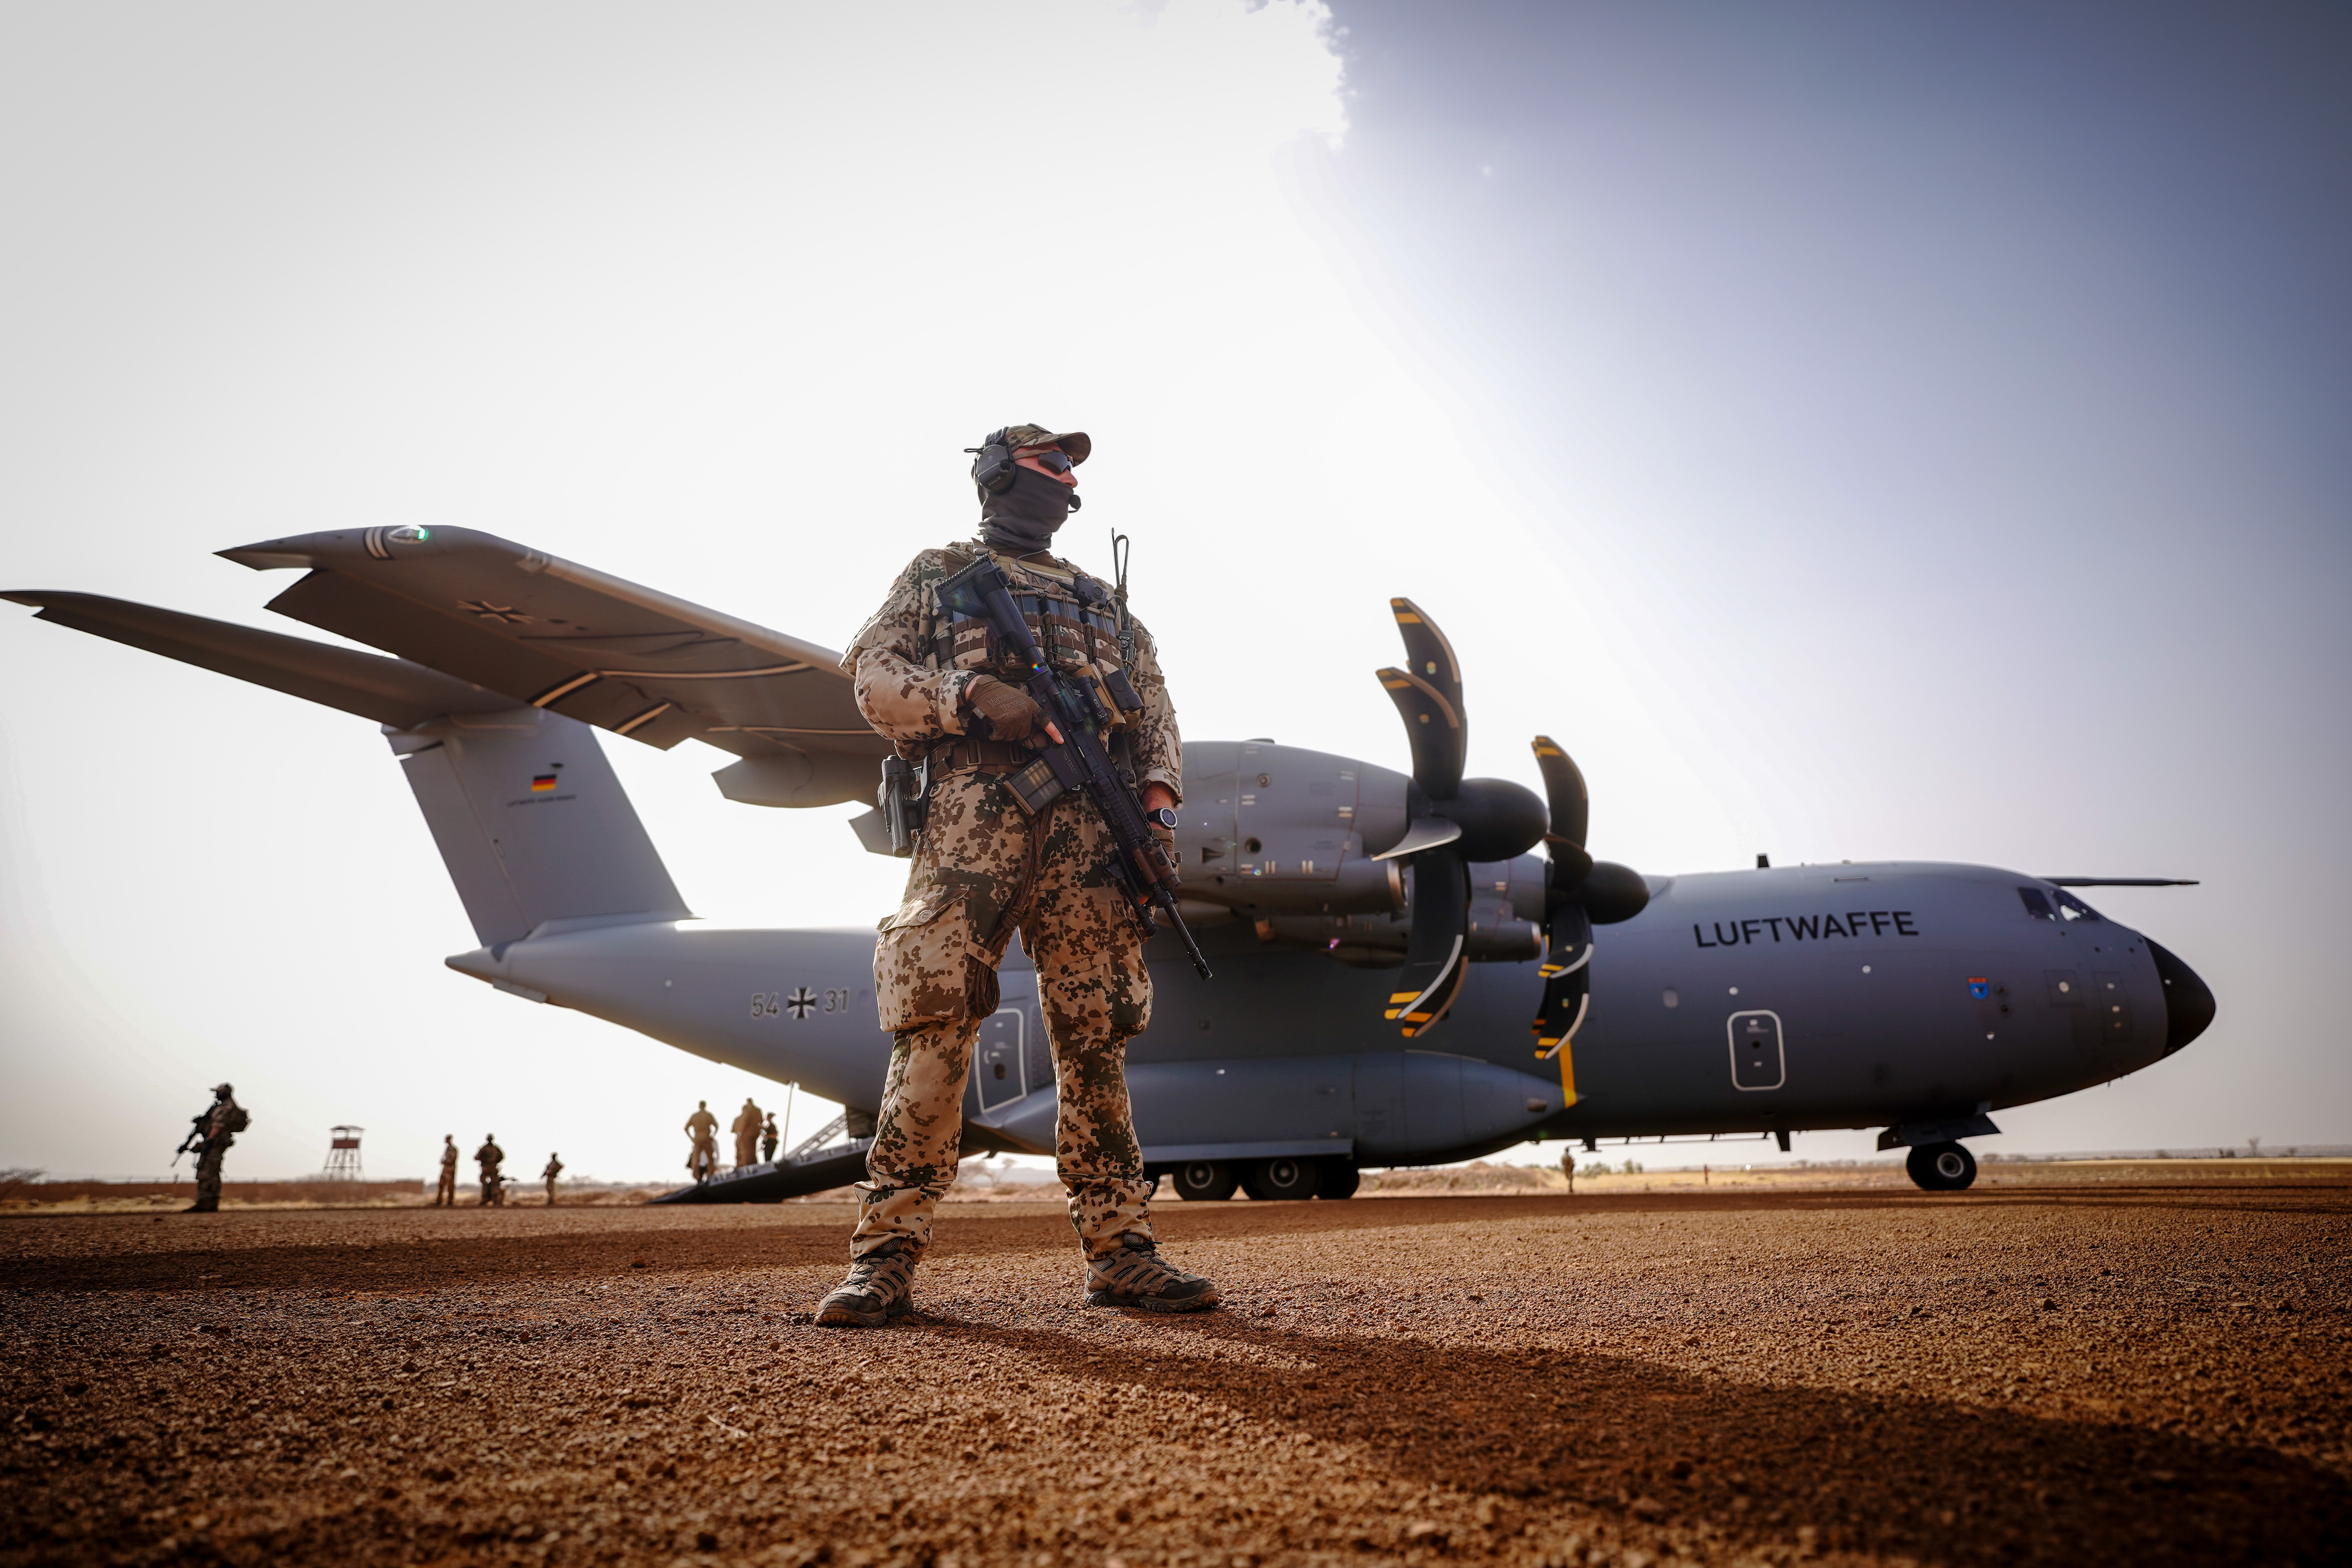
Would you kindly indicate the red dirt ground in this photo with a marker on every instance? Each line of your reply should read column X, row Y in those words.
column 2147, row 1375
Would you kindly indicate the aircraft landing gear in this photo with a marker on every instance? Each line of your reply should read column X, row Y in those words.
column 1267, row 1181
column 1204, row 1180
column 1281, row 1180
column 1941, row 1167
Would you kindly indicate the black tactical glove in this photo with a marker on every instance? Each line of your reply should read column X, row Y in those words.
column 1002, row 712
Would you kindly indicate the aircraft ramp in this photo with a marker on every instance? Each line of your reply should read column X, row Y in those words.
column 773, row 1181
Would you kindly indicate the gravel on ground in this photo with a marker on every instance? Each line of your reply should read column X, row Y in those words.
column 2147, row 1375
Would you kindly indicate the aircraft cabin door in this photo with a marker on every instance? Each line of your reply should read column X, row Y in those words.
column 1757, row 1061
column 999, row 1061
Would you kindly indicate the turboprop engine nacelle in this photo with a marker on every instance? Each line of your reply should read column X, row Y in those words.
column 1507, row 899
column 1280, row 830
column 1273, row 831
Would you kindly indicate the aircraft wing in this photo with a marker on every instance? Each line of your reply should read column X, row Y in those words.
column 556, row 635
column 389, row 691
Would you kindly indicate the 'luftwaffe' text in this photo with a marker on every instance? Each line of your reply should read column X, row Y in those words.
column 1808, row 927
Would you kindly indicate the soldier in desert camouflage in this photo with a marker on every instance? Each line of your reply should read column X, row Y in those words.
column 702, row 1127
column 214, row 1129
column 491, row 1158
column 939, row 686
column 746, row 1128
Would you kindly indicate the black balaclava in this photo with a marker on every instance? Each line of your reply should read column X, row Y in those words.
column 1020, row 518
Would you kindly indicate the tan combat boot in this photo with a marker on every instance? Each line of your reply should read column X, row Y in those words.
column 1137, row 1275
column 879, row 1287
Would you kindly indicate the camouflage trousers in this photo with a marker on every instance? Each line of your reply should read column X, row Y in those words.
column 446, row 1192
column 984, row 871
column 208, row 1173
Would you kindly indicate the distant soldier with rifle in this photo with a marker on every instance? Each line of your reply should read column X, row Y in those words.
column 490, row 1157
column 554, row 1169
column 1035, row 774
column 210, row 1133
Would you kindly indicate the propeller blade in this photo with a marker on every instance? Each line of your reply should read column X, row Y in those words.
column 1566, row 997
column 1568, row 940
column 1422, row 833
column 1567, row 968
column 1567, row 974
column 1428, row 695
column 1564, row 792
column 1434, row 961
column 1432, row 724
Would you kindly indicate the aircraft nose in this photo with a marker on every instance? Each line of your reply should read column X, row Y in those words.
column 2187, row 1001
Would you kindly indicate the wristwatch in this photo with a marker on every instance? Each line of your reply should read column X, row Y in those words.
column 1163, row 818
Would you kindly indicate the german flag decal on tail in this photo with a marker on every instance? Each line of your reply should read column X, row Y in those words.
column 542, row 783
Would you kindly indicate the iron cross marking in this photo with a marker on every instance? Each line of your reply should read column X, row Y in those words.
column 800, row 1001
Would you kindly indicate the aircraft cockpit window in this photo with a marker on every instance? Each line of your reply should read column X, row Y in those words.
column 2036, row 905
column 2074, row 908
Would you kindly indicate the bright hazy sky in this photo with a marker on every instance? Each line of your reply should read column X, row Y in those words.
column 1857, row 433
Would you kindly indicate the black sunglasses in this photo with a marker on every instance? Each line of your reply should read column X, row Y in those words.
column 1053, row 460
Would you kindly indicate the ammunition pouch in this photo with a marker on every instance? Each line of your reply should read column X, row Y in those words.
column 1052, row 774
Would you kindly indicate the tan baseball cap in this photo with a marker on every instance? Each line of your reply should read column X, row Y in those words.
column 1030, row 437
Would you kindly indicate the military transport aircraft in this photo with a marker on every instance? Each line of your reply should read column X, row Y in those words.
column 1380, row 940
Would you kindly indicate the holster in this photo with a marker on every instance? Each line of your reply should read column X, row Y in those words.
column 904, row 800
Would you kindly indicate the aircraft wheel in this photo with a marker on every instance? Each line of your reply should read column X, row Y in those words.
column 1339, row 1179
column 1941, row 1167
column 1204, row 1180
column 1281, row 1180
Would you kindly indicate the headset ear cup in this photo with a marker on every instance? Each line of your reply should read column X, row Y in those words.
column 992, row 469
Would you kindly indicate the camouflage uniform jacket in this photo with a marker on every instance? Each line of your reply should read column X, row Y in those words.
column 913, row 660
column 223, row 1123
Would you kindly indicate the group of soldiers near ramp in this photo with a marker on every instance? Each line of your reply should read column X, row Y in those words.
column 491, row 1159
column 757, row 1137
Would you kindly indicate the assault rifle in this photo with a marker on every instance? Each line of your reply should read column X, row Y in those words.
column 1081, row 708
column 196, row 1133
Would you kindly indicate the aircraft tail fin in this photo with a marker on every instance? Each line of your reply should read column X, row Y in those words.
column 529, row 818
column 533, row 823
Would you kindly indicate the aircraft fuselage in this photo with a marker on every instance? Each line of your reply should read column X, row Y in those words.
column 1738, row 1002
